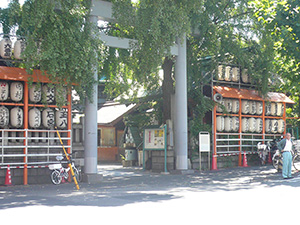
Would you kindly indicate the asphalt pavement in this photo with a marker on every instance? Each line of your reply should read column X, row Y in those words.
column 251, row 195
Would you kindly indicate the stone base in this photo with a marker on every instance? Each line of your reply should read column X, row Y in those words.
column 92, row 178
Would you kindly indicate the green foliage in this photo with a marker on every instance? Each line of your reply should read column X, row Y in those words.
column 60, row 41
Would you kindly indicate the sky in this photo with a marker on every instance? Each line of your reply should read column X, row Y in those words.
column 4, row 3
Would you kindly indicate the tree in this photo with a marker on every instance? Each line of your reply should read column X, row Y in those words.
column 60, row 40
column 281, row 19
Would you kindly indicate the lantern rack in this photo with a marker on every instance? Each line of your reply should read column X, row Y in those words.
column 26, row 146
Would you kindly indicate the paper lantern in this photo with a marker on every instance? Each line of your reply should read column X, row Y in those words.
column 235, row 74
column 228, row 105
column 259, row 108
column 268, row 126
column 61, row 118
column 3, row 91
column 4, row 116
column 48, row 119
column 274, row 128
column 280, row 109
column 6, row 48
column 245, row 77
column 219, row 108
column 220, row 123
column 252, row 124
column 49, row 93
column 245, row 107
column 259, row 125
column 268, row 108
column 228, row 73
column 235, row 106
column 19, row 48
column 221, row 73
column 235, row 124
column 61, row 94
column 252, row 108
column 16, row 117
column 273, row 108
column 35, row 93
column 16, row 91
column 228, row 124
column 34, row 118
column 245, row 125
column 281, row 126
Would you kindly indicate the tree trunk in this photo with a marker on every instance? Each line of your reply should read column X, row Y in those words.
column 167, row 88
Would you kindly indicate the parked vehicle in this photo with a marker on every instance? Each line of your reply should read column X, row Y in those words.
column 61, row 172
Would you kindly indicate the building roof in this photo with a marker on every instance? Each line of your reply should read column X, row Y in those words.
column 229, row 92
column 112, row 113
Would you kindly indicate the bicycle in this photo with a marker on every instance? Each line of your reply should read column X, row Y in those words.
column 277, row 160
column 59, row 172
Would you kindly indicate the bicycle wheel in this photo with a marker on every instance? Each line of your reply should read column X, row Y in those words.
column 296, row 162
column 77, row 174
column 55, row 177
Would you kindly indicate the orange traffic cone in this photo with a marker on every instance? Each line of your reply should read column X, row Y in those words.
column 245, row 164
column 214, row 163
column 270, row 158
column 8, row 177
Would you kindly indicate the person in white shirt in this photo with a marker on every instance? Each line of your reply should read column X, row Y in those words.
column 286, row 147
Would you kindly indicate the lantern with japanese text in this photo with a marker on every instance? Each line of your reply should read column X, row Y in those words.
column 235, row 74
column 228, row 73
column 3, row 91
column 48, row 119
column 61, row 118
column 252, row 124
column 6, row 48
column 16, row 91
column 259, row 125
column 228, row 124
column 245, row 106
column 235, row 106
column 16, row 117
column 281, row 126
column 274, row 128
column 35, row 93
column 34, row 118
column 259, row 108
column 235, row 124
column 19, row 48
column 49, row 93
column 245, row 125
column 221, row 73
column 220, row 123
column 4, row 116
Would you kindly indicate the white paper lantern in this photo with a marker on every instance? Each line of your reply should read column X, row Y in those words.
column 48, row 119
column 228, row 73
column 6, row 48
column 3, row 91
column 34, row 118
column 220, row 123
column 228, row 124
column 219, row 108
column 228, row 105
column 259, row 108
column 61, row 117
column 259, row 125
column 235, row 106
column 267, row 108
column 245, row 77
column 245, row 106
column 235, row 74
column 245, row 125
column 252, row 124
column 35, row 93
column 19, row 48
column 16, row 91
column 252, row 108
column 281, row 126
column 268, row 126
column 4, row 116
column 49, row 93
column 235, row 124
column 280, row 109
column 16, row 117
column 273, row 108
column 274, row 128
column 61, row 95
column 221, row 73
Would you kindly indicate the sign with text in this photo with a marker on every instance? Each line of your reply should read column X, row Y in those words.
column 154, row 138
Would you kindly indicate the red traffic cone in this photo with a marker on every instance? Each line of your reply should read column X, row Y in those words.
column 245, row 164
column 214, row 163
column 270, row 158
column 8, row 177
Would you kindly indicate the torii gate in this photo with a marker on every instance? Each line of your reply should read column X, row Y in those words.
column 102, row 10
